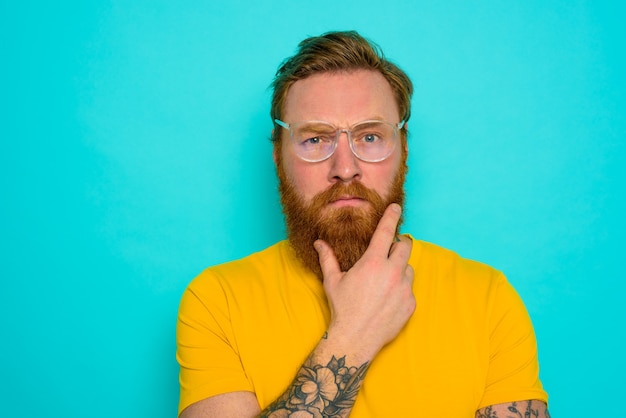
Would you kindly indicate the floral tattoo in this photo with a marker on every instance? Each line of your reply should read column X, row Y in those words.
column 320, row 391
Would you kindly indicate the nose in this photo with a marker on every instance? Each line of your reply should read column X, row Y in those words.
column 344, row 165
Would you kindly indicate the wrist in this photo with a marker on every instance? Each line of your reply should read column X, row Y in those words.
column 355, row 347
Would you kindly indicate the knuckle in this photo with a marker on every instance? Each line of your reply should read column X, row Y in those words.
column 409, row 272
column 411, row 306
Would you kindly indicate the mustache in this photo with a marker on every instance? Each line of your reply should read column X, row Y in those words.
column 338, row 190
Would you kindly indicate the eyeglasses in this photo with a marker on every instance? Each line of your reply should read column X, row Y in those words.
column 314, row 141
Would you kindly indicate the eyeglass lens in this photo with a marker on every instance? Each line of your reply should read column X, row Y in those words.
column 370, row 140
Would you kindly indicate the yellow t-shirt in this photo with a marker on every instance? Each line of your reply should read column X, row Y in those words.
column 248, row 325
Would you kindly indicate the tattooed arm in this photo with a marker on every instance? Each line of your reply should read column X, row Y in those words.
column 321, row 390
column 520, row 409
column 369, row 305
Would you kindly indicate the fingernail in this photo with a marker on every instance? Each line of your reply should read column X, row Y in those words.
column 396, row 208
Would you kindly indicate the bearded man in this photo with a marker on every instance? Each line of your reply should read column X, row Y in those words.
column 347, row 317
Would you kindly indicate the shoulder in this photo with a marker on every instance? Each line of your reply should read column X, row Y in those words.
column 443, row 274
column 438, row 260
column 446, row 278
column 248, row 267
column 259, row 274
column 215, row 287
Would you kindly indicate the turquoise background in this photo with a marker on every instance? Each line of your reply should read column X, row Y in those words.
column 134, row 154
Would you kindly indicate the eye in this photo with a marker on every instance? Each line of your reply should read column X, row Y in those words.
column 316, row 140
column 370, row 138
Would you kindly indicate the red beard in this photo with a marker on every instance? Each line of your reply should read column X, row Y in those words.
column 347, row 230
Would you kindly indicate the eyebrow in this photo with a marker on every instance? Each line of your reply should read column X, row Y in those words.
column 314, row 122
column 316, row 125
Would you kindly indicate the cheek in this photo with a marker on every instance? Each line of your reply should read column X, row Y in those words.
column 383, row 182
column 382, row 175
column 307, row 179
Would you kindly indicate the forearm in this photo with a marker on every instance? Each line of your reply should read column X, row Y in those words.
column 522, row 409
column 328, row 381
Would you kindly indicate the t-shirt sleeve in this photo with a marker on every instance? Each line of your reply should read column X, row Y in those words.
column 513, row 373
column 206, row 348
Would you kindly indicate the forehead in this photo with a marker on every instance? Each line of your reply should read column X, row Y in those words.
column 342, row 98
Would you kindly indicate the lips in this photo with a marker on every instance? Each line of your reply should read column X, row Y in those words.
column 347, row 200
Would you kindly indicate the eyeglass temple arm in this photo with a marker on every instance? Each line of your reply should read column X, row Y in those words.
column 283, row 124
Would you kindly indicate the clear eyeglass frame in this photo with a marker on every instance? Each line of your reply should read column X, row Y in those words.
column 332, row 146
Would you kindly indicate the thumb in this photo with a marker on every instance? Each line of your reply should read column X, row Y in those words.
column 328, row 261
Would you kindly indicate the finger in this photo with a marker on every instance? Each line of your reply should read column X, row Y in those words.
column 401, row 247
column 409, row 273
column 328, row 261
column 385, row 233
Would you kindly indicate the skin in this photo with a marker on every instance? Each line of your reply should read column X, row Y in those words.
column 371, row 302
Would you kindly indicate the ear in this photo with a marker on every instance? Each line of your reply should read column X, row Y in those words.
column 274, row 149
column 406, row 142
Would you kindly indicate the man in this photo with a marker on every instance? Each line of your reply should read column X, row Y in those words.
column 346, row 317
